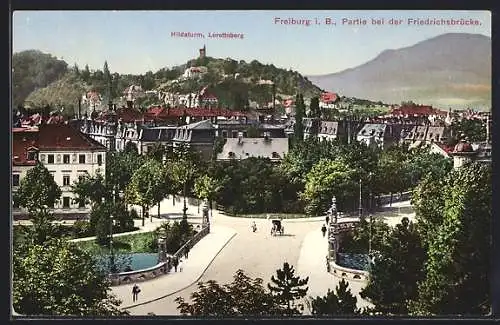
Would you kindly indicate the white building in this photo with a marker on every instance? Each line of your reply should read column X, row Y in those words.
column 328, row 130
column 194, row 72
column 66, row 153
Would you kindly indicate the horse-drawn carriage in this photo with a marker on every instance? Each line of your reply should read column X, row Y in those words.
column 277, row 227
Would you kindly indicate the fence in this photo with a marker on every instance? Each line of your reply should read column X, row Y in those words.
column 160, row 268
column 346, row 273
column 395, row 197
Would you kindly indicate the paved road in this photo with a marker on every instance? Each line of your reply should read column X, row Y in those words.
column 258, row 254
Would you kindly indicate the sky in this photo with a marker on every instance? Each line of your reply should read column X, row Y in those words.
column 137, row 41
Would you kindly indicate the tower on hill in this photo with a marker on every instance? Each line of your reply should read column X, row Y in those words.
column 203, row 52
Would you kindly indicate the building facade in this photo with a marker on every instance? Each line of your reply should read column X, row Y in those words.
column 66, row 153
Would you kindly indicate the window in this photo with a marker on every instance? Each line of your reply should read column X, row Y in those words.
column 50, row 159
column 231, row 154
column 66, row 159
column 275, row 155
column 15, row 180
column 99, row 159
column 224, row 134
column 66, row 180
column 66, row 202
column 31, row 155
column 81, row 204
column 81, row 159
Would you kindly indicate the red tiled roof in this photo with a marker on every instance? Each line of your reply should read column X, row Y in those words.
column 288, row 102
column 22, row 140
column 414, row 110
column 329, row 97
column 65, row 137
column 166, row 113
column 129, row 115
column 49, row 137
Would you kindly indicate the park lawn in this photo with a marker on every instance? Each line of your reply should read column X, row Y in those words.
column 272, row 216
column 134, row 243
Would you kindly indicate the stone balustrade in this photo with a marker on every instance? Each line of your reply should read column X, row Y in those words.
column 159, row 269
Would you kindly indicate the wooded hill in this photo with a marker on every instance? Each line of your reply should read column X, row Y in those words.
column 40, row 79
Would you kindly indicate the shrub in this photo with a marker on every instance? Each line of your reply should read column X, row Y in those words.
column 134, row 215
column 81, row 228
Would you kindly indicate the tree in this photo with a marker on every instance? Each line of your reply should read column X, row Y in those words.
column 253, row 132
column 244, row 296
column 182, row 172
column 287, row 288
column 131, row 147
column 299, row 115
column 120, row 166
column 31, row 70
column 314, row 110
column 157, row 152
column 326, row 179
column 371, row 232
column 340, row 302
column 101, row 222
column 86, row 73
column 144, row 183
column 457, row 279
column 90, row 189
column 59, row 279
column 396, row 270
column 422, row 162
column 37, row 189
column 391, row 174
column 206, row 188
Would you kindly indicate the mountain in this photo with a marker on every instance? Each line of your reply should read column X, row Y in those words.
column 40, row 79
column 450, row 70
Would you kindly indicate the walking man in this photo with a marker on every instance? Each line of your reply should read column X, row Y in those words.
column 135, row 292
column 327, row 219
column 323, row 230
column 186, row 252
column 175, row 262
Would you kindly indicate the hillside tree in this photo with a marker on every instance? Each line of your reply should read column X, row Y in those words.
column 299, row 115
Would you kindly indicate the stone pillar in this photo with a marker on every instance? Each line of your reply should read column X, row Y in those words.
column 205, row 220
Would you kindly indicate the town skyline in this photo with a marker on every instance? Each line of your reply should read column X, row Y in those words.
column 141, row 41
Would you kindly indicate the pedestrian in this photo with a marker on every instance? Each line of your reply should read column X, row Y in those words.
column 327, row 219
column 135, row 292
column 186, row 252
column 180, row 265
column 323, row 230
column 175, row 262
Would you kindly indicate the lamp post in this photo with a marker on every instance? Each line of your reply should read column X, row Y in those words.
column 370, row 236
column 360, row 202
column 111, row 224
column 162, row 249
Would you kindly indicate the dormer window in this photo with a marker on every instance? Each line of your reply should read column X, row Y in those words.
column 32, row 154
column 231, row 154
